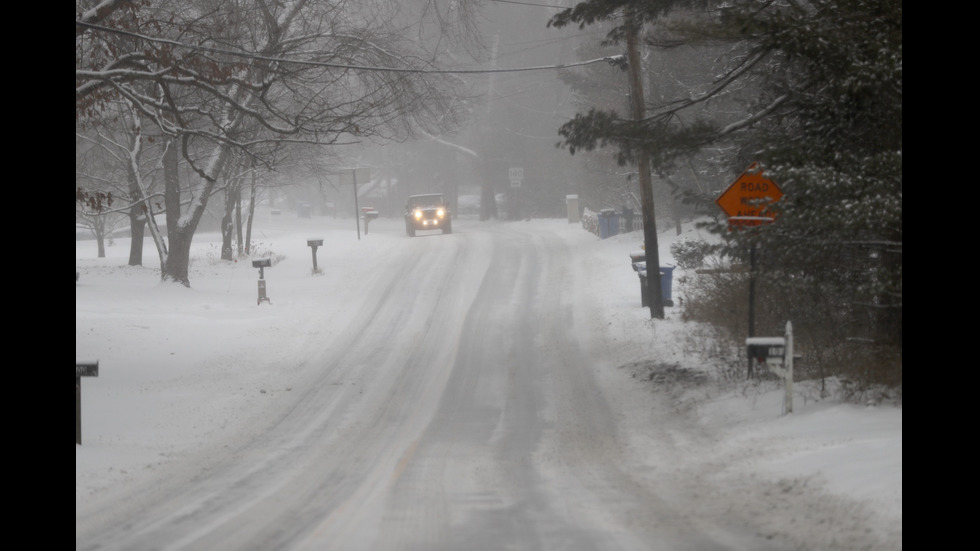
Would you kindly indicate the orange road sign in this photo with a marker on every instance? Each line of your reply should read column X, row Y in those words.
column 745, row 200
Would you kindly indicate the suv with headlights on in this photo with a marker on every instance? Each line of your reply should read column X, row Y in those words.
column 427, row 212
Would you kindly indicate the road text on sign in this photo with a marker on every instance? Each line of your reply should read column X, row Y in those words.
column 516, row 174
column 747, row 198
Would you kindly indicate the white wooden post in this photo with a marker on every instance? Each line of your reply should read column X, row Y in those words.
column 777, row 352
column 788, row 361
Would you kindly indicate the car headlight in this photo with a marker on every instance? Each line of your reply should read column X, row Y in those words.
column 441, row 213
column 418, row 213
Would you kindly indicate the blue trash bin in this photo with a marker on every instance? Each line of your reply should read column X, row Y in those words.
column 666, row 279
column 608, row 223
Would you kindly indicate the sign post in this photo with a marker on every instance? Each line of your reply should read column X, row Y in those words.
column 746, row 202
column 516, row 175
column 351, row 176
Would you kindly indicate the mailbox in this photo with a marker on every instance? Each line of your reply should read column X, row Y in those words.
column 638, row 256
column 777, row 354
column 262, row 264
column 313, row 244
column 763, row 348
column 368, row 213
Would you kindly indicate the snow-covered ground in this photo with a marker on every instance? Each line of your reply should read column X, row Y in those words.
column 182, row 369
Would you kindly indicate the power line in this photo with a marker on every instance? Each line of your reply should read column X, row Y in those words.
column 530, row 4
column 615, row 59
column 532, row 45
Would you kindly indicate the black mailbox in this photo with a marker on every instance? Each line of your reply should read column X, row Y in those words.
column 763, row 348
column 313, row 244
column 262, row 263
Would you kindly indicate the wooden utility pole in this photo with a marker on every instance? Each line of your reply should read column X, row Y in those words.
column 643, row 169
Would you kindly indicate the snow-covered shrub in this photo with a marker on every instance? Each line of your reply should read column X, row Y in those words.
column 690, row 253
column 590, row 222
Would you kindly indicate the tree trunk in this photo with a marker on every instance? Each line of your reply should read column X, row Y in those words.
column 137, row 228
column 97, row 226
column 99, row 230
column 178, row 261
column 488, row 201
column 171, row 179
column 137, row 212
column 170, row 268
column 251, row 214
column 227, row 223
column 181, row 227
column 238, row 218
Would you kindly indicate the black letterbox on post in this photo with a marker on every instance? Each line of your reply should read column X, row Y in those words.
column 262, row 264
column 762, row 349
column 314, row 243
column 777, row 353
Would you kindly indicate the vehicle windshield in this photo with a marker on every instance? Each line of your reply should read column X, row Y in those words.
column 425, row 201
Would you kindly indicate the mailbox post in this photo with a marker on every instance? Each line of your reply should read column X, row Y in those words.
column 314, row 243
column 262, row 264
column 82, row 369
column 777, row 354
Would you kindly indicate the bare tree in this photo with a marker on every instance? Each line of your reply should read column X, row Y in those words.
column 226, row 76
column 115, row 172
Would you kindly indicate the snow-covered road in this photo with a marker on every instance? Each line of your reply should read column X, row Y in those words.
column 467, row 393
